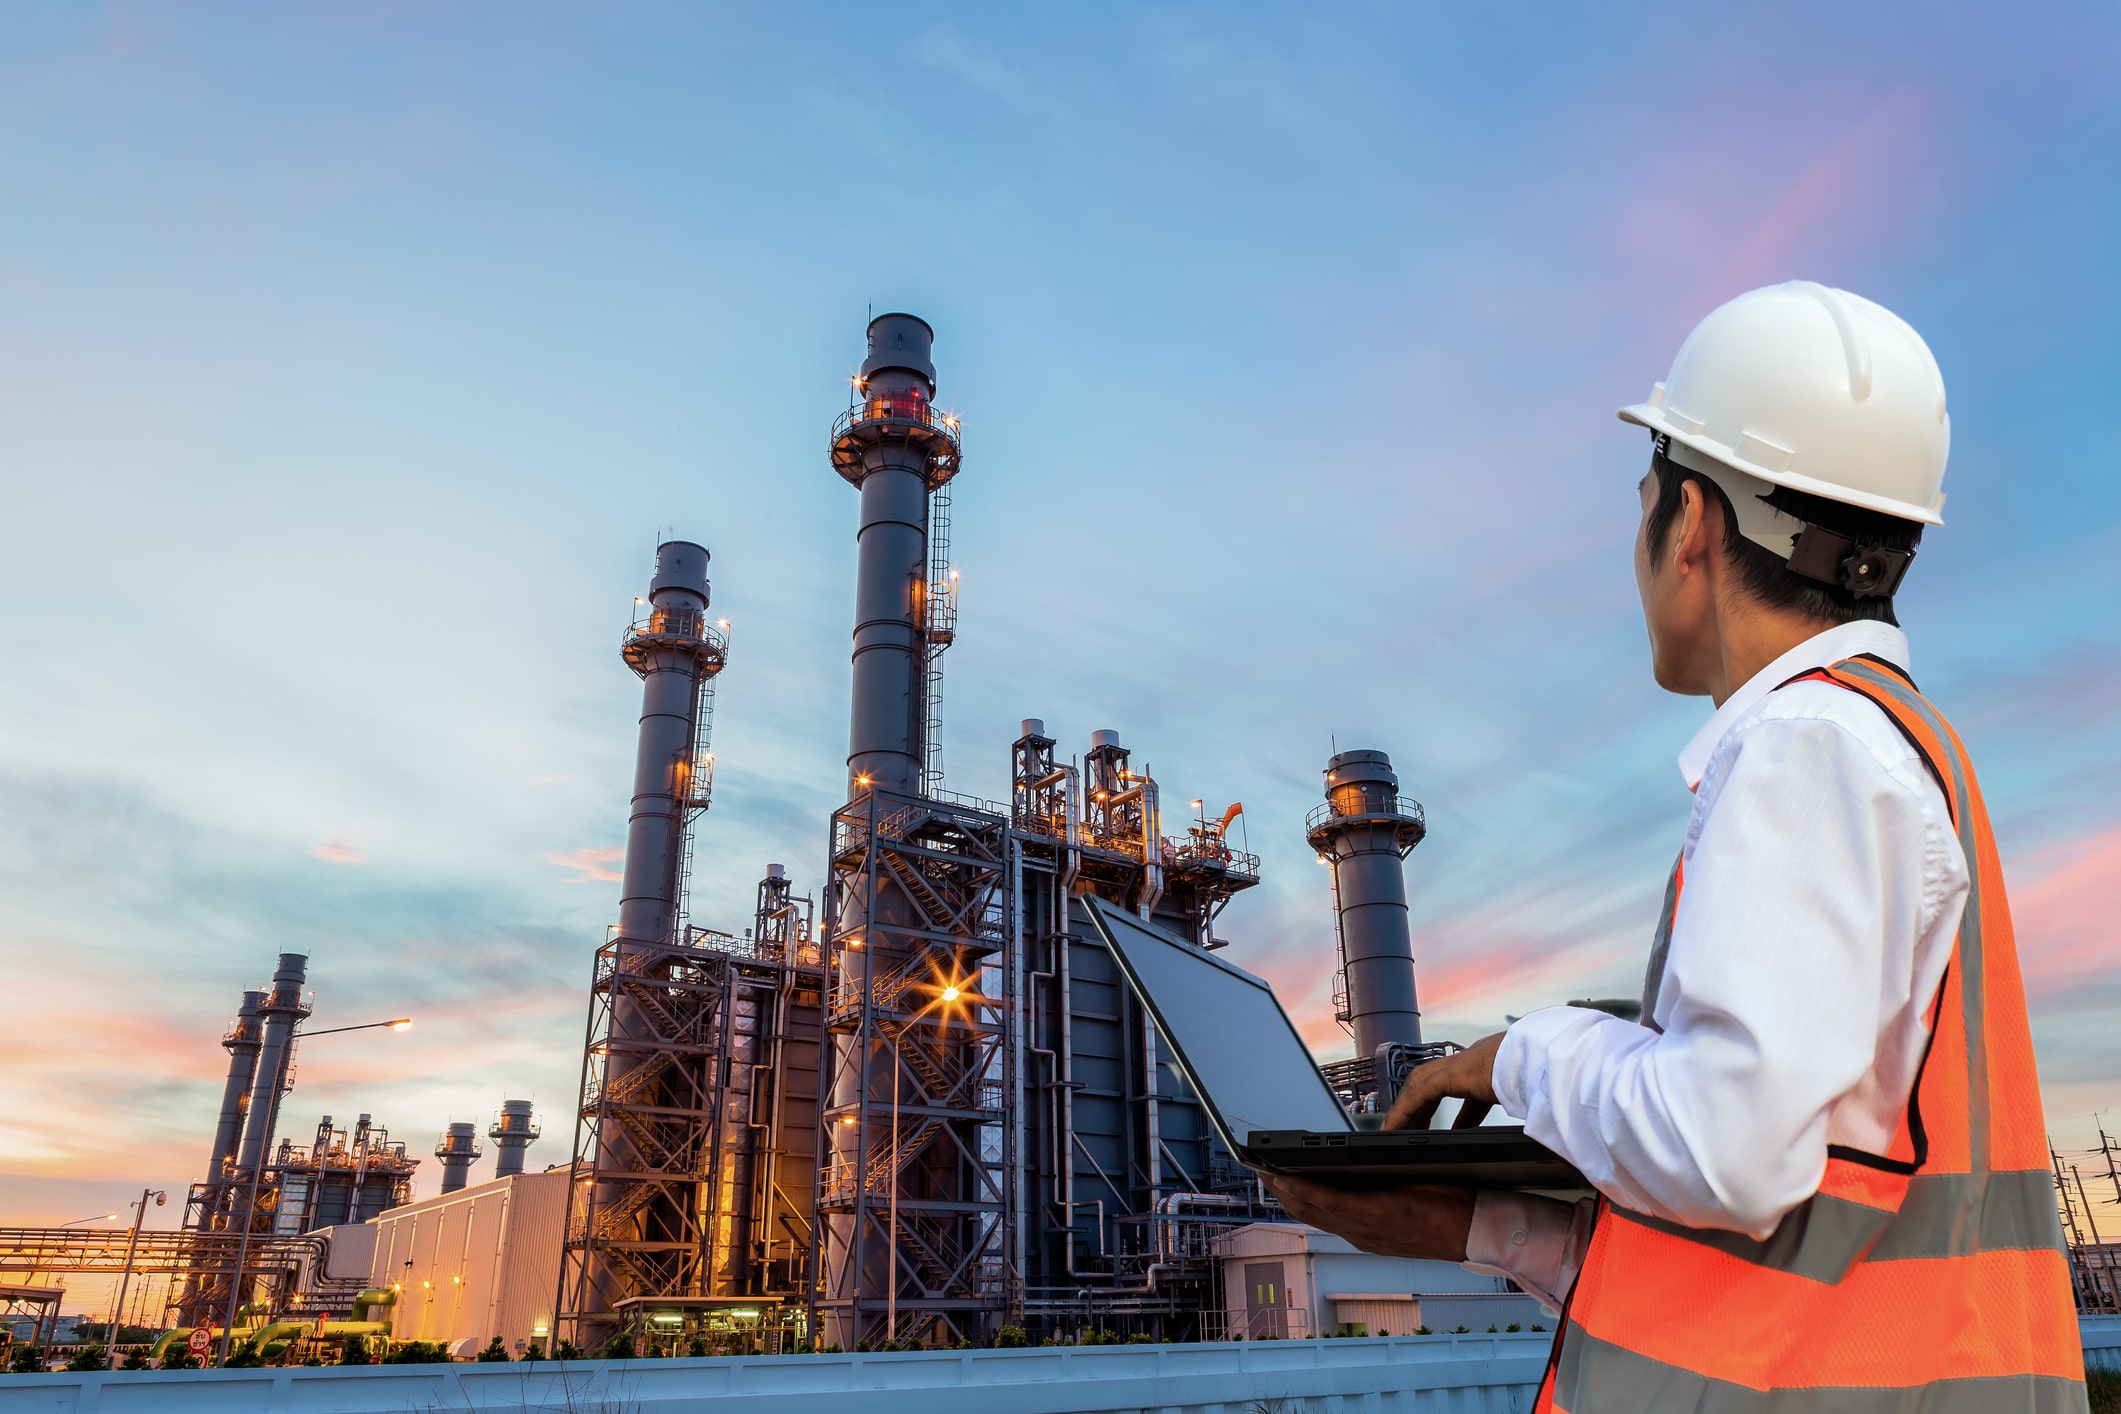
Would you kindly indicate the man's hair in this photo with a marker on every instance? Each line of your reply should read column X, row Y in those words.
column 1766, row 576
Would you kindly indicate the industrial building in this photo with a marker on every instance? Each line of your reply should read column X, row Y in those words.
column 937, row 1110
column 917, row 1104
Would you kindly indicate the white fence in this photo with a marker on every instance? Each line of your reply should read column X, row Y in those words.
column 1466, row 1374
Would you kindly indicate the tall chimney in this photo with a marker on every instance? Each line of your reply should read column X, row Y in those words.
column 458, row 1151
column 242, row 1043
column 1365, row 830
column 513, row 1133
column 281, row 1010
column 892, row 447
column 674, row 648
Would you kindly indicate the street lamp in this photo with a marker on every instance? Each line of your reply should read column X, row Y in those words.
column 117, row 1315
column 250, row 1200
column 948, row 994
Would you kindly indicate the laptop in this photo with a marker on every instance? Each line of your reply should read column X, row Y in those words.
column 1229, row 1036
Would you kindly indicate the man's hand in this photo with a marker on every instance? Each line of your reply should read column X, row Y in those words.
column 1427, row 1220
column 1469, row 1074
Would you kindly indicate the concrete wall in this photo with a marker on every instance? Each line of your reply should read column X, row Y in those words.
column 1468, row 1374
column 1423, row 1375
column 480, row 1262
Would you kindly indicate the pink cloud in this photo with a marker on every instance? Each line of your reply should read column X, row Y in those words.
column 590, row 862
column 2065, row 912
column 337, row 852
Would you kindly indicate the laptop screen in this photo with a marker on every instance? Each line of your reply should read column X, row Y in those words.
column 1230, row 1035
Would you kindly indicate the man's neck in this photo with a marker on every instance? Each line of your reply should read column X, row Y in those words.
column 1749, row 637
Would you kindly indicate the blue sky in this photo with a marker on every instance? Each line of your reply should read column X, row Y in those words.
column 351, row 360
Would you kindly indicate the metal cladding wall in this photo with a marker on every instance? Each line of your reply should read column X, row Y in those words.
column 480, row 1262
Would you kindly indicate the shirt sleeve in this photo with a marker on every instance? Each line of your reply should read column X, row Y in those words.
column 1536, row 1242
column 1805, row 869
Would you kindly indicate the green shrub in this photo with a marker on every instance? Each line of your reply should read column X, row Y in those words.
column 354, row 1351
column 619, row 1347
column 86, row 1358
column 418, row 1352
column 535, row 1350
column 1460, row 1330
column 1513, row 1326
column 2104, row 1386
column 178, row 1358
column 567, row 1350
column 1423, row 1330
column 25, row 1360
column 1140, row 1338
column 1011, row 1338
column 135, row 1359
column 495, row 1352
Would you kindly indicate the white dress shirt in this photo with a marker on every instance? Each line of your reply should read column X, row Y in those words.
column 1822, row 889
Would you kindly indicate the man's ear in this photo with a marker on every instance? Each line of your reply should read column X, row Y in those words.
column 1692, row 533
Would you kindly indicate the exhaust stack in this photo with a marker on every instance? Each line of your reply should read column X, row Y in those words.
column 1365, row 830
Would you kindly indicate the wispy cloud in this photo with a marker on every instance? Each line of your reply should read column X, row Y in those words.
column 337, row 852
column 588, row 863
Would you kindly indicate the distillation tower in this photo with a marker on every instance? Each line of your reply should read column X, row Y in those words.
column 695, row 1133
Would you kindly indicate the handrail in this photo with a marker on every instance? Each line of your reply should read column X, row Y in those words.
column 677, row 623
column 1397, row 807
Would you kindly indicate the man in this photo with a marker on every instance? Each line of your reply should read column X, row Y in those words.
column 1820, row 1157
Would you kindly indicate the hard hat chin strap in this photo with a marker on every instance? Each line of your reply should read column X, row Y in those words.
column 1865, row 570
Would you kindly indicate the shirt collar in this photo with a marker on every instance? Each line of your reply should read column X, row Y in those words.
column 1821, row 649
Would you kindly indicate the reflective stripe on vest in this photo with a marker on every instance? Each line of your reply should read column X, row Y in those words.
column 1930, row 1277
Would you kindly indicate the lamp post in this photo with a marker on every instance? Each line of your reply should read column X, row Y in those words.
column 117, row 1312
column 948, row 994
column 250, row 1198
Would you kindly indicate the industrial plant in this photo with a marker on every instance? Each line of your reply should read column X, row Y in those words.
column 918, row 1104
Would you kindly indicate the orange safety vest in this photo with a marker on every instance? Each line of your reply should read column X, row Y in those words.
column 1930, row 1279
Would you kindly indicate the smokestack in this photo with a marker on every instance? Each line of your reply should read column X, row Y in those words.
column 894, row 448
column 242, row 1043
column 282, row 1008
column 674, row 648
column 513, row 1133
column 458, row 1151
column 1365, row 830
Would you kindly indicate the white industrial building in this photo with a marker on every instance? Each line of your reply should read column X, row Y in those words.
column 470, row 1265
column 1284, row 1281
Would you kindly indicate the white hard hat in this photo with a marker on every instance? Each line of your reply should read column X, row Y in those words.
column 1815, row 389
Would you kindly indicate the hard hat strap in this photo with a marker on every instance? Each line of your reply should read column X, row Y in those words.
column 1865, row 570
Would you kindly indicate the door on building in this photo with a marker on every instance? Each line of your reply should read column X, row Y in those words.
column 1266, row 1302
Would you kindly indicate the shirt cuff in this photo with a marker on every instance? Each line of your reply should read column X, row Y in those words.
column 1520, row 1071
column 1536, row 1242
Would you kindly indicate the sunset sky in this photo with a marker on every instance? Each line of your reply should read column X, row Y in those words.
column 353, row 358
